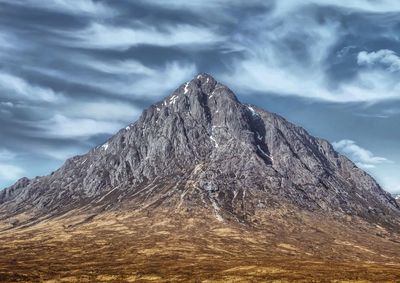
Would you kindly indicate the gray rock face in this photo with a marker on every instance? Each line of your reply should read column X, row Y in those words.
column 397, row 198
column 201, row 147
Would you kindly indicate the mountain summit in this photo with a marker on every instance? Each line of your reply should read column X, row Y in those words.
column 201, row 161
column 202, row 147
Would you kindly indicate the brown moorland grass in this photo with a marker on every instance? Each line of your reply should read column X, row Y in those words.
column 134, row 247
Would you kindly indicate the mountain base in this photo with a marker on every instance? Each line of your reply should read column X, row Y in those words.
column 147, row 246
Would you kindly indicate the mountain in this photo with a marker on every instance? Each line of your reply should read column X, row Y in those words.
column 236, row 158
column 397, row 198
column 201, row 173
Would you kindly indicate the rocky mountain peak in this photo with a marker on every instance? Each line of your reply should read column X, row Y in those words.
column 203, row 90
column 202, row 148
column 201, row 182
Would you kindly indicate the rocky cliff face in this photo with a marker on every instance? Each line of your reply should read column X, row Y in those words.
column 202, row 148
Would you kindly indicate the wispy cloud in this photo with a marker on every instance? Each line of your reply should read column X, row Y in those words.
column 367, row 86
column 361, row 156
column 277, row 60
column 81, row 7
column 127, row 78
column 81, row 120
column 6, row 155
column 390, row 183
column 103, row 111
column 283, row 6
column 6, row 41
column 384, row 57
column 7, row 104
column 103, row 36
column 61, row 126
column 155, row 84
column 292, row 57
column 117, row 67
column 10, row 172
column 16, row 87
column 383, row 6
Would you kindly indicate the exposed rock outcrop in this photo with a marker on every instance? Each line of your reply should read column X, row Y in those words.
column 201, row 147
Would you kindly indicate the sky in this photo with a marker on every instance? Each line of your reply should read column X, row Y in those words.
column 72, row 72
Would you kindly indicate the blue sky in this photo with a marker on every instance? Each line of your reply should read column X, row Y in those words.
column 74, row 72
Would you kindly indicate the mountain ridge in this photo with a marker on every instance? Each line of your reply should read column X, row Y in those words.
column 203, row 126
column 202, row 188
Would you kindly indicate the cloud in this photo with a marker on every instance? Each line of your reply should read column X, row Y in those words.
column 6, row 41
column 382, row 6
column 59, row 153
column 282, row 6
column 81, row 120
column 154, row 84
column 101, row 36
column 195, row 4
column 7, row 104
column 81, row 7
column 16, row 87
column 390, row 183
column 384, row 57
column 130, row 78
column 6, row 155
column 117, row 67
column 252, row 75
column 278, row 59
column 12, row 47
column 10, row 172
column 293, row 57
column 125, row 78
column 391, row 111
column 60, row 126
column 104, row 111
column 361, row 156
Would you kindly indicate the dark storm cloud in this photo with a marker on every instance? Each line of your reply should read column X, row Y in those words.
column 74, row 72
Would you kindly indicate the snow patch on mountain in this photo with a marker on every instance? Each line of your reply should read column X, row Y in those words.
column 186, row 90
column 105, row 146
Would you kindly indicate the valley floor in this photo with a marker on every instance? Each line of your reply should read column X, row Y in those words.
column 138, row 248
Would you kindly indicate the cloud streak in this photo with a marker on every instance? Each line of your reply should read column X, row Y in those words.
column 100, row 36
column 384, row 6
column 278, row 60
column 16, row 87
column 61, row 126
column 361, row 156
column 10, row 172
column 81, row 7
column 384, row 57
column 155, row 83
